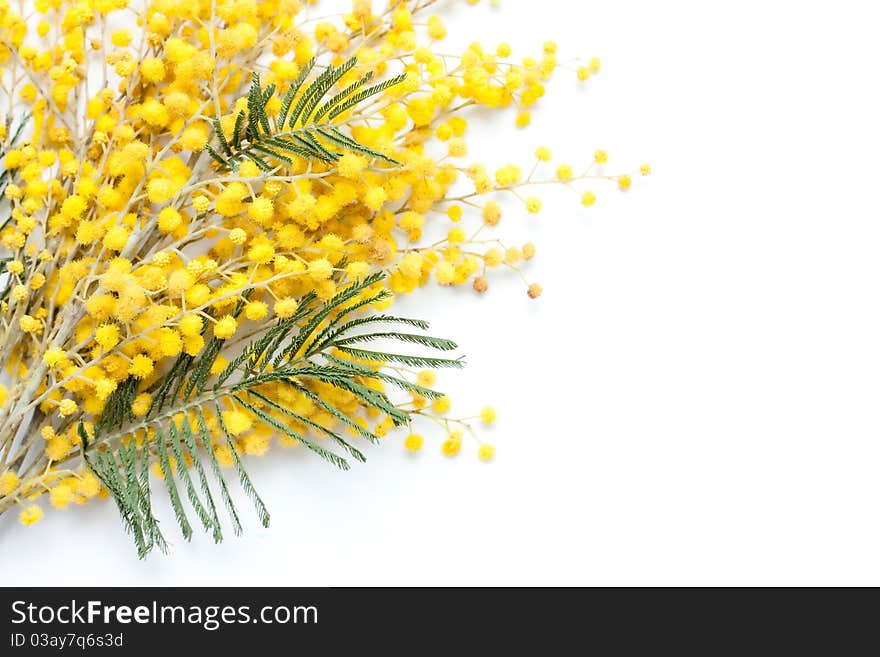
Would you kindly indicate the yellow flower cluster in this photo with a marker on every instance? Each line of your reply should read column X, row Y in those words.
column 127, row 245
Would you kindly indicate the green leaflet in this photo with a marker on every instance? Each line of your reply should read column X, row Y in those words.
column 303, row 125
column 299, row 351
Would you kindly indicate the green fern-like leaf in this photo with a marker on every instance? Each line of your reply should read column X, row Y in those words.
column 303, row 125
column 292, row 352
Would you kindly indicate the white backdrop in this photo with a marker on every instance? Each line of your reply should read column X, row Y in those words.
column 694, row 398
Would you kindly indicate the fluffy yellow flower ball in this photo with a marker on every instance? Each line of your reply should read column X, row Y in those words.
column 141, row 404
column 141, row 366
column 486, row 452
column 285, row 308
column 194, row 138
column 225, row 327
column 169, row 220
column 67, row 407
column 8, row 482
column 441, row 405
column 452, row 445
column 161, row 190
column 152, row 69
column 414, row 442
column 61, row 495
column 487, row 415
column 30, row 515
column 237, row 422
column 256, row 310
column 261, row 210
column 107, row 336
column 320, row 269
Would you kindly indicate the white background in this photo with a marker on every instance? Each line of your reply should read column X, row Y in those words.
column 692, row 401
